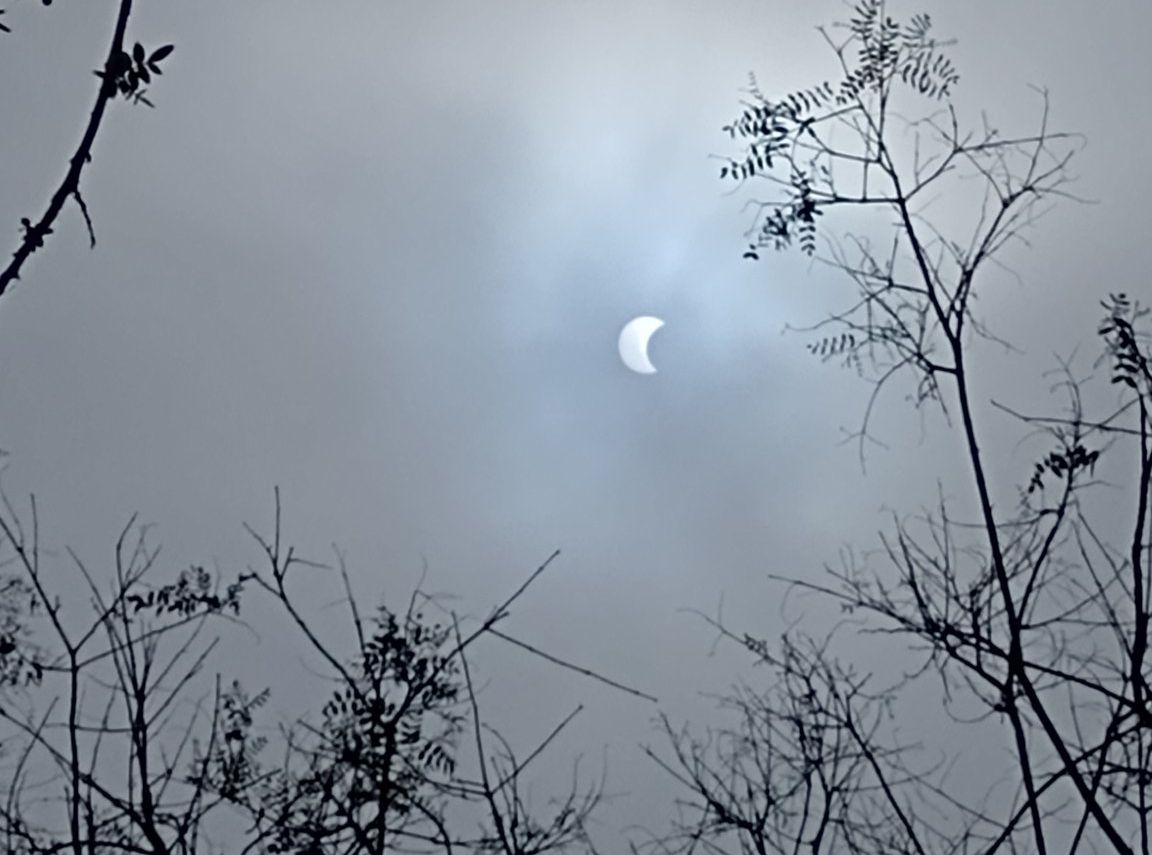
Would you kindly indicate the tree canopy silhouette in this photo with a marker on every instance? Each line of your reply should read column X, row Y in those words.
column 1032, row 619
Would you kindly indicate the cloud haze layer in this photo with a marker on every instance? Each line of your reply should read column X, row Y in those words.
column 379, row 253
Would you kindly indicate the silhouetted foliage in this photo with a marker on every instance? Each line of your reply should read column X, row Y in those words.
column 784, row 135
column 118, row 749
column 125, row 74
column 1027, row 625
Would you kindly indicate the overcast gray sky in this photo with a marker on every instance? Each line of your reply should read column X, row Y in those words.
column 378, row 253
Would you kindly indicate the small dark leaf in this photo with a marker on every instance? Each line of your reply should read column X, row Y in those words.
column 161, row 52
column 138, row 52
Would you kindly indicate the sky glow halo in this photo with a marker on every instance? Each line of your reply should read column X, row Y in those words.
column 633, row 343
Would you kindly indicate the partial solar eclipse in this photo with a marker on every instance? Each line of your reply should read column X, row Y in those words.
column 634, row 340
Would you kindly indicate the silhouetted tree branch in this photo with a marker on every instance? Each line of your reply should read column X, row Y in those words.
column 125, row 74
column 121, row 747
column 101, row 714
column 1032, row 618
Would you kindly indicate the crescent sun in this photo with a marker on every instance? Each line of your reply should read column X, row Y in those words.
column 634, row 340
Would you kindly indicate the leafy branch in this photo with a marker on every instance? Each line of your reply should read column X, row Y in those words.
column 123, row 75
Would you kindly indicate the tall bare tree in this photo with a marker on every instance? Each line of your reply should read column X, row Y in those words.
column 1032, row 620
